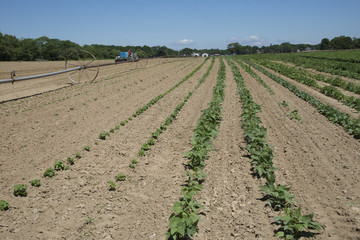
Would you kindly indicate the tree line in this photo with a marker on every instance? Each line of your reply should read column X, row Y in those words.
column 44, row 48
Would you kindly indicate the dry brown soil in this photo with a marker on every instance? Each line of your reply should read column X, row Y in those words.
column 317, row 159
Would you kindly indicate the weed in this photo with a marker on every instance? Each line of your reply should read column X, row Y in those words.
column 20, row 190
column 49, row 172
column 35, row 183
column 120, row 177
column 4, row 205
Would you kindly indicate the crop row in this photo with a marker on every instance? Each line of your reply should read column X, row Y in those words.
column 346, row 69
column 303, row 76
column 254, row 75
column 352, row 126
column 279, row 198
column 185, row 212
column 60, row 165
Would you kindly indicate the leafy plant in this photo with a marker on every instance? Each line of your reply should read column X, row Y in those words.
column 117, row 127
column 20, row 190
column 87, row 148
column 78, row 155
column 4, row 205
column 102, row 136
column 278, row 197
column 141, row 153
column 293, row 224
column 134, row 161
column 35, row 183
column 70, row 160
column 295, row 115
column 145, row 147
column 184, row 219
column 112, row 130
column 112, row 186
column 121, row 177
column 122, row 123
column 59, row 166
column 132, row 166
column 150, row 142
column 49, row 172
column 284, row 104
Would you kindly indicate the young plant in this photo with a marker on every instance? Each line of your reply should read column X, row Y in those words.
column 35, row 183
column 78, row 155
column 293, row 224
column 112, row 186
column 134, row 161
column 150, row 142
column 122, row 123
column 20, row 190
column 70, row 160
column 87, row 148
column 117, row 127
column 278, row 197
column 120, row 177
column 295, row 115
column 49, row 172
column 145, row 147
column 112, row 130
column 132, row 166
column 102, row 136
column 4, row 205
column 59, row 166
column 141, row 153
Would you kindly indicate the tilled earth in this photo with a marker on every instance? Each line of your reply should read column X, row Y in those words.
column 317, row 159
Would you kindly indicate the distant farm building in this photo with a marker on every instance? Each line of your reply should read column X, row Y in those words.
column 194, row 54
column 205, row 55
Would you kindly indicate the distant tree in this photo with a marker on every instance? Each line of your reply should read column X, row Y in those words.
column 341, row 42
column 325, row 44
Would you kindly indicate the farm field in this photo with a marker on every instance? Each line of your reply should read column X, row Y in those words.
column 140, row 123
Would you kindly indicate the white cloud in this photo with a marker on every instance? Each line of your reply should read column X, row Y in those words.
column 251, row 40
column 185, row 42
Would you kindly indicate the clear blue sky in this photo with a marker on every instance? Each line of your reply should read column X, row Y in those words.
column 179, row 24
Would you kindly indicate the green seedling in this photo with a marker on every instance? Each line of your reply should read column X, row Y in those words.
column 117, row 127
column 134, row 161
column 122, row 123
column 120, row 177
column 293, row 224
column 141, row 153
column 89, row 220
column 35, row 183
column 78, row 155
column 87, row 148
column 132, row 166
column 102, row 136
column 20, row 190
column 59, row 166
column 145, row 147
column 150, row 142
column 4, row 205
column 112, row 186
column 295, row 115
column 49, row 172
column 70, row 160
column 112, row 130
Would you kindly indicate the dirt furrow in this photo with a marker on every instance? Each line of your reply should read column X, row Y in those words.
column 317, row 159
